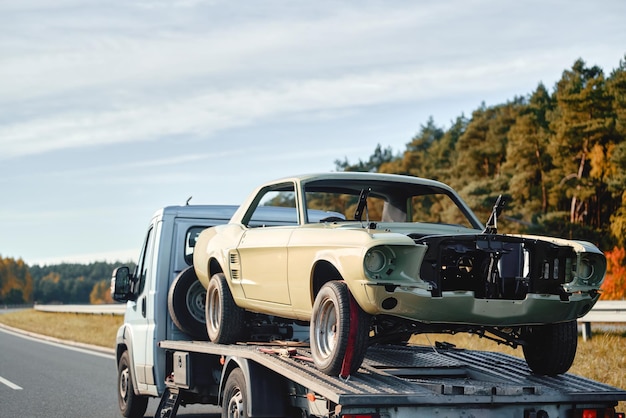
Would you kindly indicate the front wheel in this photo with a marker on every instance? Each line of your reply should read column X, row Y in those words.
column 339, row 330
column 550, row 349
column 225, row 321
column 131, row 404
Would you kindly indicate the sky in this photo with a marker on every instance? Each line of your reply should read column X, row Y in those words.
column 112, row 109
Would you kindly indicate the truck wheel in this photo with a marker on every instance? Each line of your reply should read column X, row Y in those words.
column 131, row 404
column 550, row 349
column 334, row 312
column 225, row 321
column 185, row 302
column 235, row 400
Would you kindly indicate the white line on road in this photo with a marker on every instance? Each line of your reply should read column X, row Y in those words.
column 46, row 340
column 9, row 384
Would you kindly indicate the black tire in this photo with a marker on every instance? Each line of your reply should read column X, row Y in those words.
column 185, row 302
column 235, row 399
column 330, row 330
column 225, row 321
column 550, row 349
column 131, row 404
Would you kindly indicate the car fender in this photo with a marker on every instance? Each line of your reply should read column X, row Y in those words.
column 348, row 262
column 214, row 244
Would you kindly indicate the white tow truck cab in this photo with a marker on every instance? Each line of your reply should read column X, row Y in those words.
column 163, row 352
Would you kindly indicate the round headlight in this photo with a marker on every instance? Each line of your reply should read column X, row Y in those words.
column 375, row 260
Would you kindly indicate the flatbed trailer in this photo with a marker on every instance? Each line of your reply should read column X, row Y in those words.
column 394, row 381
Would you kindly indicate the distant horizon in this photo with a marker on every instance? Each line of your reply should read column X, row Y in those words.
column 122, row 257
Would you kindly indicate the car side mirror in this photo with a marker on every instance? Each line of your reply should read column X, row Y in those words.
column 122, row 285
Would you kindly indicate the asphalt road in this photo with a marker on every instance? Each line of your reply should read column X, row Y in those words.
column 42, row 379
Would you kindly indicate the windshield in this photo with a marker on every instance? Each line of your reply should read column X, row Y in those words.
column 384, row 201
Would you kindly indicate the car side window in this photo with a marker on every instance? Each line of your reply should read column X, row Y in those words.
column 275, row 207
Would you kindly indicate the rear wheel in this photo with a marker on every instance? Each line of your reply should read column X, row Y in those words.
column 550, row 349
column 131, row 404
column 339, row 330
column 225, row 321
column 235, row 399
column 185, row 302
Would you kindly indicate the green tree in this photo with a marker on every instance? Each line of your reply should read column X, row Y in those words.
column 583, row 127
column 616, row 176
column 69, row 282
column 416, row 160
column 527, row 160
column 378, row 158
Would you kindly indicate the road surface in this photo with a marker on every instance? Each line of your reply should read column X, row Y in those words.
column 42, row 379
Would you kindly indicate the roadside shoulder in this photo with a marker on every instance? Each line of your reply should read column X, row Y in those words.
column 91, row 347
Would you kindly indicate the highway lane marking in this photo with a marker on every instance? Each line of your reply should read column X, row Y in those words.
column 10, row 384
column 60, row 345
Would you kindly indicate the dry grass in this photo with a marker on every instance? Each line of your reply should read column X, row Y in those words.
column 603, row 358
column 98, row 330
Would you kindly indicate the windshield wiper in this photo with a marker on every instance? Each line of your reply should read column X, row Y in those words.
column 492, row 222
column 358, row 213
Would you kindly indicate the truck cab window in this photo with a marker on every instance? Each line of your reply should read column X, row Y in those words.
column 190, row 242
column 141, row 271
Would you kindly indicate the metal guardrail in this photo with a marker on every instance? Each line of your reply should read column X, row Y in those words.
column 604, row 311
column 111, row 309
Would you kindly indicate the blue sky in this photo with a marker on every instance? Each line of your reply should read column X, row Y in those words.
column 112, row 109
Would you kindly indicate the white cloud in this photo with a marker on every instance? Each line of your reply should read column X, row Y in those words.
column 210, row 111
column 106, row 78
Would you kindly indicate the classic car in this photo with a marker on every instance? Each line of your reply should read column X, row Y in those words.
column 395, row 256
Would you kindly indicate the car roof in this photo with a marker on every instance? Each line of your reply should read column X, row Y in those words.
column 353, row 175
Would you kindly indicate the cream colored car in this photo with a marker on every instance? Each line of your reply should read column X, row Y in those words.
column 393, row 256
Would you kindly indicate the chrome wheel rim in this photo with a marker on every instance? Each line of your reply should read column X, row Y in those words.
column 124, row 383
column 326, row 329
column 213, row 308
column 235, row 405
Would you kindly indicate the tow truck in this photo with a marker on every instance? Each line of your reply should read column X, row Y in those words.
column 162, row 352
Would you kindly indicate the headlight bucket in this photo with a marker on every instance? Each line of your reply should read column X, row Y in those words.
column 590, row 270
column 379, row 262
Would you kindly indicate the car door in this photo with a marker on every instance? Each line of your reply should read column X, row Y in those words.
column 263, row 260
column 262, row 250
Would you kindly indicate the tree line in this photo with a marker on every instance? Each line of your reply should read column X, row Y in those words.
column 558, row 158
column 67, row 283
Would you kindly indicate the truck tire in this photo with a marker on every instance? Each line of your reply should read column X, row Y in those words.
column 131, row 404
column 225, row 321
column 330, row 330
column 550, row 349
column 235, row 399
column 185, row 303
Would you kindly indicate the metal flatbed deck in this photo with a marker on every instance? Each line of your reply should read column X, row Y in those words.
column 408, row 375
